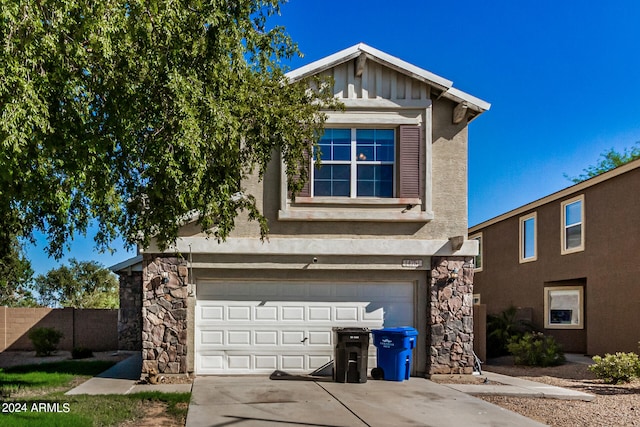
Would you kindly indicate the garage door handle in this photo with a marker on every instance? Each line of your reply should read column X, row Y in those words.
column 305, row 338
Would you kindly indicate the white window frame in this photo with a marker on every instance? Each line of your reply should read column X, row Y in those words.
column 353, row 191
column 564, row 226
column 564, row 298
column 523, row 237
column 478, row 237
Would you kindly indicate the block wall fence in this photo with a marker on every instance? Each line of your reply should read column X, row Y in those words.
column 96, row 329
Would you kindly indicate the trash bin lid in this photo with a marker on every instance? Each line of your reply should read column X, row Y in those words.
column 400, row 330
column 350, row 329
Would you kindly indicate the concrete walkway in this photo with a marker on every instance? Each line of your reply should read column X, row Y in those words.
column 258, row 401
column 502, row 385
column 122, row 378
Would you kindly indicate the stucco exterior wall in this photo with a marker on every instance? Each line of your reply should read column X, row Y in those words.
column 606, row 268
column 449, row 194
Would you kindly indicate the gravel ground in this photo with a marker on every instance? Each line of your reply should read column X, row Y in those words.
column 614, row 405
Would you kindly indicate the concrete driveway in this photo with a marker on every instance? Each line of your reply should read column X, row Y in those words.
column 258, row 401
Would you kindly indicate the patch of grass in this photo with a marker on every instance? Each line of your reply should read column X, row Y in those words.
column 47, row 375
column 84, row 368
column 102, row 410
column 34, row 379
column 44, row 382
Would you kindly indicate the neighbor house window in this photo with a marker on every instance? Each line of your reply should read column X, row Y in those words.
column 477, row 260
column 528, row 240
column 573, row 225
column 563, row 307
column 355, row 163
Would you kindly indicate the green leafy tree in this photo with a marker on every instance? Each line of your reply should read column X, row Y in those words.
column 15, row 276
column 610, row 159
column 141, row 114
column 82, row 284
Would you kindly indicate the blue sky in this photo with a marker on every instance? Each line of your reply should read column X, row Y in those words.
column 563, row 78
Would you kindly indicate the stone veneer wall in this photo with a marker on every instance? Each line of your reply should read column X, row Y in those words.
column 450, row 328
column 164, row 315
column 129, row 316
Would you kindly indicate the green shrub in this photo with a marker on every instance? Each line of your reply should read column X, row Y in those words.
column 45, row 340
column 81, row 353
column 616, row 368
column 536, row 349
column 504, row 328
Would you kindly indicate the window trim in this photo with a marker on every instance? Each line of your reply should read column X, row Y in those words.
column 354, row 163
column 522, row 236
column 548, row 290
column 407, row 207
column 563, row 225
column 479, row 237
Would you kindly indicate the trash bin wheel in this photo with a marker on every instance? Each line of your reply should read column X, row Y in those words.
column 377, row 374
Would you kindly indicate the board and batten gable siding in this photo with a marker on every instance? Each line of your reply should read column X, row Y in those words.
column 376, row 81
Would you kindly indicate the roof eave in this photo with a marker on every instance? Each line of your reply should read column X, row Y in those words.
column 397, row 64
column 131, row 264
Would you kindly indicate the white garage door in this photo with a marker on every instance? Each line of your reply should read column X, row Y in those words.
column 252, row 328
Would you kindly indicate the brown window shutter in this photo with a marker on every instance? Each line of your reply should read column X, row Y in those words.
column 410, row 164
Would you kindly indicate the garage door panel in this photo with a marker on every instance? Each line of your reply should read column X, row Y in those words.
column 320, row 338
column 266, row 362
column 245, row 328
column 294, row 362
column 266, row 314
column 241, row 362
column 320, row 314
column 347, row 313
column 212, row 337
column 295, row 338
column 295, row 313
column 239, row 338
column 239, row 313
column 266, row 337
column 212, row 313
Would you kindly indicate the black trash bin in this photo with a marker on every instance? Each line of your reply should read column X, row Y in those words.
column 350, row 354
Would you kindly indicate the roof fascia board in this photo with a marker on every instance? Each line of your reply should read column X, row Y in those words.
column 478, row 103
column 131, row 262
column 324, row 63
column 559, row 195
column 394, row 63
column 375, row 54
column 405, row 67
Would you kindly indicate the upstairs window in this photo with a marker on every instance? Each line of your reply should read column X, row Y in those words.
column 528, row 243
column 367, row 163
column 573, row 225
column 355, row 163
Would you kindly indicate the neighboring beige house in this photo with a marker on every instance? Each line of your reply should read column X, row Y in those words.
column 568, row 259
column 377, row 239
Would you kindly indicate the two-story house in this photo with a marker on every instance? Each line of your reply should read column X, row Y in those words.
column 568, row 259
column 376, row 239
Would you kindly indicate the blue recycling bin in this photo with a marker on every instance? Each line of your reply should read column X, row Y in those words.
column 394, row 352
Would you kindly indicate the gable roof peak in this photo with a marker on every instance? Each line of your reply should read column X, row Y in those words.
column 390, row 61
